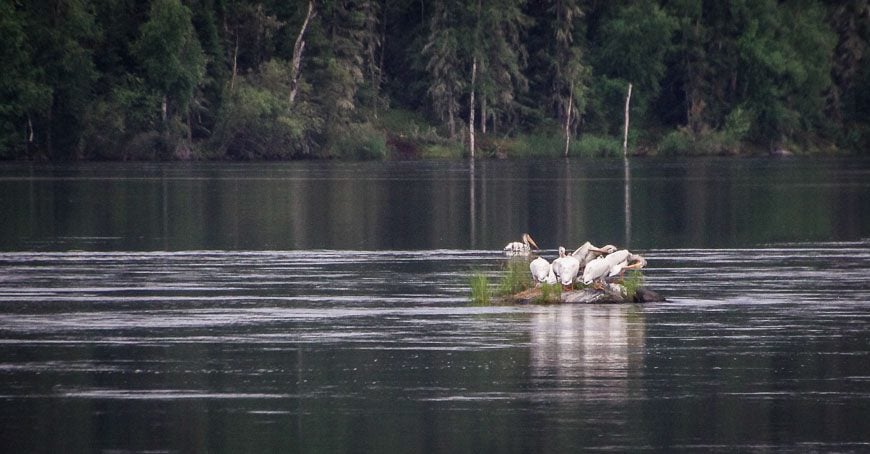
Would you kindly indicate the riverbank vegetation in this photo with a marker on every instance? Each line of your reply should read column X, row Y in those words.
column 376, row 79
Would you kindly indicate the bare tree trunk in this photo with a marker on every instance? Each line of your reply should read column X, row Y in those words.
column 29, row 130
column 472, row 205
column 298, row 47
column 450, row 121
column 568, row 120
column 627, row 200
column 471, row 109
column 380, row 79
column 483, row 115
column 164, row 107
column 625, row 135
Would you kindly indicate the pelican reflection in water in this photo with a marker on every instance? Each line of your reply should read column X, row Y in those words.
column 599, row 345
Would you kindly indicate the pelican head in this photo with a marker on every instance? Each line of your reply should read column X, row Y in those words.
column 636, row 262
column 527, row 240
column 631, row 262
column 609, row 249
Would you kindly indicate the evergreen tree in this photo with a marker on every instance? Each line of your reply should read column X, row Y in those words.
column 851, row 21
column 250, row 36
column 446, row 57
column 562, row 70
column 24, row 96
column 206, row 14
column 753, row 61
column 694, row 70
column 119, row 79
column 171, row 56
column 502, row 58
column 370, row 17
column 339, row 48
column 635, row 42
column 61, row 35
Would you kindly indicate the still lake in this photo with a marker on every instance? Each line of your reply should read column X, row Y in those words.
column 323, row 307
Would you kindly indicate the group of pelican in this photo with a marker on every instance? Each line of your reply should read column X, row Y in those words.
column 597, row 263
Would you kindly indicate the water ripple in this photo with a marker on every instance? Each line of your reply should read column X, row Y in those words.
column 747, row 336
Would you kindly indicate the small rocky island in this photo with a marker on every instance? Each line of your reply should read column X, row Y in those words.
column 605, row 275
column 612, row 294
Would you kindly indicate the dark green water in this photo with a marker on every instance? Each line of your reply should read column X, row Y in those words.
column 322, row 307
column 432, row 205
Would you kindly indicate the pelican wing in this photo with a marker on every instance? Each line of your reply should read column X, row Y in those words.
column 617, row 257
column 596, row 269
column 540, row 268
column 581, row 251
column 589, row 252
column 569, row 270
column 566, row 269
column 516, row 249
column 556, row 267
column 514, row 246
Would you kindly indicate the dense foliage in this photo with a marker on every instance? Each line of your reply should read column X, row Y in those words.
column 248, row 79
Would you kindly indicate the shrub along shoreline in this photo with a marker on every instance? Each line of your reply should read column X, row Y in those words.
column 402, row 135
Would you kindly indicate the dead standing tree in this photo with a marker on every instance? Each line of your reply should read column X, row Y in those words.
column 625, row 133
column 298, row 47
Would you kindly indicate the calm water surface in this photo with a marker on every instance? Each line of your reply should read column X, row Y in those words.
column 323, row 307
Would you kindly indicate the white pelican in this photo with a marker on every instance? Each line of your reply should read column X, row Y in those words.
column 600, row 267
column 518, row 248
column 542, row 271
column 587, row 252
column 632, row 262
column 566, row 268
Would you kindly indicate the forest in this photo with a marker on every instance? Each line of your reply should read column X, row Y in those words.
column 376, row 79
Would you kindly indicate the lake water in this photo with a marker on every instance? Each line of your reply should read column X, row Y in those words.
column 323, row 307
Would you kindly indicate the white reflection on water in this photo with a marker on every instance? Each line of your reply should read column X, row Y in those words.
column 598, row 346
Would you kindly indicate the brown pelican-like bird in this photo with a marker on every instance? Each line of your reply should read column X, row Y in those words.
column 587, row 252
column 521, row 248
column 542, row 271
column 566, row 268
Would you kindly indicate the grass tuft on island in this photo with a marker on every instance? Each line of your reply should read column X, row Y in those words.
column 632, row 282
column 514, row 284
column 481, row 295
